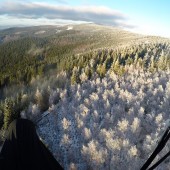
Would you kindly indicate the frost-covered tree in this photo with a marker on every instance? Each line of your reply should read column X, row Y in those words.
column 113, row 121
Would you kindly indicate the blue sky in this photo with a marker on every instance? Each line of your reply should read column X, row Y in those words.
column 142, row 16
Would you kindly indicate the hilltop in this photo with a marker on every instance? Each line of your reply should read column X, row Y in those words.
column 108, row 36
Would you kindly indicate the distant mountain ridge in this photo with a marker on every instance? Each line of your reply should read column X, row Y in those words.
column 16, row 33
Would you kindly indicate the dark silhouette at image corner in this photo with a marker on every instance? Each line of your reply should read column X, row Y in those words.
column 23, row 149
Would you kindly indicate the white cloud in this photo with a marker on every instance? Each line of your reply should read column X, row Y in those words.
column 149, row 28
column 14, row 22
column 96, row 14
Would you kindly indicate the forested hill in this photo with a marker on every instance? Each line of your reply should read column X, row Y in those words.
column 104, row 91
column 28, row 52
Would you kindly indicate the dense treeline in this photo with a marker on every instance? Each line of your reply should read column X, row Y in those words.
column 25, row 58
column 109, row 123
column 107, row 105
column 114, row 118
column 17, row 64
column 33, row 54
column 24, row 70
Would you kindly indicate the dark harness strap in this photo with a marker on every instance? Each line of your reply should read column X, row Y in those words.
column 160, row 146
column 161, row 160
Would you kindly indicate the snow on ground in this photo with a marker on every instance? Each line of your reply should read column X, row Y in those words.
column 40, row 32
column 69, row 27
column 58, row 31
column 17, row 33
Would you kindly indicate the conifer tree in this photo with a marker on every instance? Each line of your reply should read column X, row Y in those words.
column 42, row 99
column 8, row 109
column 75, row 76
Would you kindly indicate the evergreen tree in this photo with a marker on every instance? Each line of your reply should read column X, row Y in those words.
column 42, row 99
column 8, row 112
column 75, row 76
